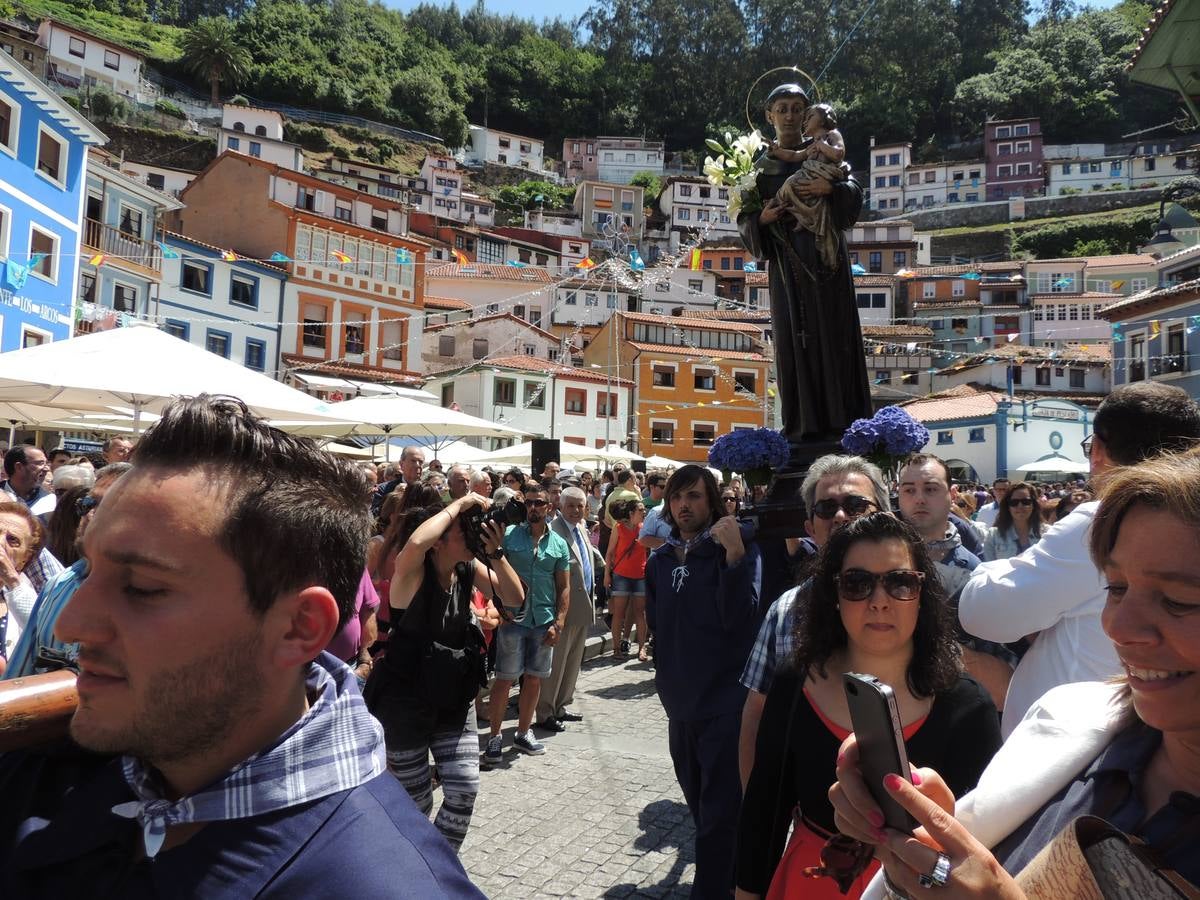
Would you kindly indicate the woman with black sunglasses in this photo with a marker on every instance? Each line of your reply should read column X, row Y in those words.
column 1018, row 524
column 876, row 608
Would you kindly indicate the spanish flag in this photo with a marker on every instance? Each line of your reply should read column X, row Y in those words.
column 340, row 256
column 585, row 264
column 695, row 264
column 460, row 257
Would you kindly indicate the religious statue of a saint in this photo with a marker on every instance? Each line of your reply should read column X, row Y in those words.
column 819, row 358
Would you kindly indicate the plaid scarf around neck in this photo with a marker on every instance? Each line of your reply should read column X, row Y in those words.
column 335, row 746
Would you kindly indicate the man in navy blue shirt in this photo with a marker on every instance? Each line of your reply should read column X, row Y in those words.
column 702, row 603
column 216, row 751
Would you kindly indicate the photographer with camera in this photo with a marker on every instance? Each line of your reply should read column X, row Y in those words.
column 525, row 646
column 421, row 690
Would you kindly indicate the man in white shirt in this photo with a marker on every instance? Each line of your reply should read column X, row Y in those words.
column 1053, row 590
column 987, row 512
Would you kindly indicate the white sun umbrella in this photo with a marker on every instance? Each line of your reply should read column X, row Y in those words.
column 143, row 369
column 367, row 416
column 661, row 462
column 569, row 454
column 1057, row 463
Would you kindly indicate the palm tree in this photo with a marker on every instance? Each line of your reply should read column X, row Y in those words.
column 211, row 50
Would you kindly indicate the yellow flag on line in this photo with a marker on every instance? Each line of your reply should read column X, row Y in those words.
column 97, row 260
column 1117, row 285
column 695, row 264
column 229, row 256
column 1155, row 328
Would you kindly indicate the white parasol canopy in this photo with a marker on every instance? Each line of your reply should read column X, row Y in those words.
column 405, row 416
column 142, row 368
column 661, row 462
column 569, row 454
column 1056, row 462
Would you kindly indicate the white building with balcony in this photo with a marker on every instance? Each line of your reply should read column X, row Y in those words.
column 694, row 207
column 487, row 145
column 79, row 59
column 618, row 159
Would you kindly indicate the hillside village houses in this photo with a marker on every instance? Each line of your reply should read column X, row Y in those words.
column 79, row 59
column 44, row 177
column 258, row 133
column 612, row 159
column 487, row 145
column 361, row 318
column 344, row 276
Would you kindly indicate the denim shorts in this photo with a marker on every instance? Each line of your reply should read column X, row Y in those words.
column 625, row 586
column 520, row 651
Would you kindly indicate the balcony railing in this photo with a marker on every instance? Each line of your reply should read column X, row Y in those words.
column 121, row 246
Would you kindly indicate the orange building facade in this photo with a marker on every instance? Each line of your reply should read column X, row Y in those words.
column 695, row 380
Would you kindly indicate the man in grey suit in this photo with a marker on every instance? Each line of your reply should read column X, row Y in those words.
column 587, row 570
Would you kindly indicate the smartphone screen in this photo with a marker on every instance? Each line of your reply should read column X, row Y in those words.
column 880, row 737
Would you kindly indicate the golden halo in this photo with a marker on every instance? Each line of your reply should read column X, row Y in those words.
column 814, row 91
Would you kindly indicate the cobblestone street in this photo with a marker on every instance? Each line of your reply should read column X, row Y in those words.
column 600, row 814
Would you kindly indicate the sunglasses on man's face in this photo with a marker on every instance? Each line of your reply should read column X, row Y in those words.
column 851, row 504
column 538, row 503
column 859, row 584
column 730, row 499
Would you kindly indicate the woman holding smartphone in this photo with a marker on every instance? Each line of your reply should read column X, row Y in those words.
column 875, row 608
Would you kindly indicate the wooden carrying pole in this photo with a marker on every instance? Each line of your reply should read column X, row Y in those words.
column 36, row 709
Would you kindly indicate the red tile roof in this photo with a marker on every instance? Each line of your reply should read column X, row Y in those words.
column 878, row 331
column 1117, row 260
column 1005, row 266
column 1156, row 20
column 732, row 315
column 672, row 350
column 1082, row 295
column 962, row 402
column 489, row 271
column 351, row 370
column 446, row 303
column 689, row 322
column 875, row 280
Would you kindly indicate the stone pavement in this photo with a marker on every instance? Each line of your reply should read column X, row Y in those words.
column 599, row 814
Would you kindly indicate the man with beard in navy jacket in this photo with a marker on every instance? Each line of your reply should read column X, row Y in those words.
column 702, row 603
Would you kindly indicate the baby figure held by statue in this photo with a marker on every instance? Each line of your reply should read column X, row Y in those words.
column 823, row 156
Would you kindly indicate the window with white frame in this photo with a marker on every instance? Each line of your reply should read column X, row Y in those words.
column 52, row 156
column 958, row 289
column 243, row 290
column 44, row 244
column 928, row 290
column 112, row 59
column 704, row 379
column 10, row 124
column 703, row 434
column 33, row 337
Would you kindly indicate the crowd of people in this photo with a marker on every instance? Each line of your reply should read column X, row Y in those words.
column 280, row 650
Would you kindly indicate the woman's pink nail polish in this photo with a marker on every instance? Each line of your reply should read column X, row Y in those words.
column 916, row 778
column 892, row 782
column 876, row 818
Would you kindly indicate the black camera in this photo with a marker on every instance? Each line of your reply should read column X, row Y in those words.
column 510, row 513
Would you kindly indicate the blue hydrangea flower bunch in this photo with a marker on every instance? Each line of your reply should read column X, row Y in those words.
column 745, row 449
column 891, row 432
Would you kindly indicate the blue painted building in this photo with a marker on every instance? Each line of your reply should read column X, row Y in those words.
column 1156, row 336
column 121, row 267
column 43, row 170
column 231, row 308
